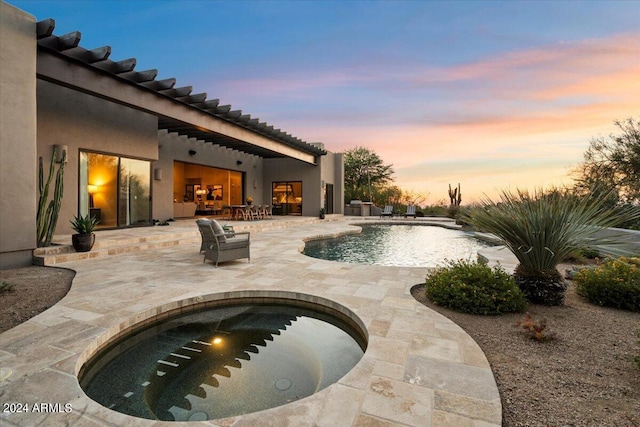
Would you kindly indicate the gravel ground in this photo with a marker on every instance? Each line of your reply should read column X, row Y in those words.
column 34, row 289
column 585, row 377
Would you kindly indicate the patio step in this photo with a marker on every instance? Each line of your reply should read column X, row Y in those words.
column 123, row 241
column 61, row 253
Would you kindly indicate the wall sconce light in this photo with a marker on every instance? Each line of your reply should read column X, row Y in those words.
column 61, row 150
column 157, row 174
column 91, row 189
column 192, row 152
column 238, row 162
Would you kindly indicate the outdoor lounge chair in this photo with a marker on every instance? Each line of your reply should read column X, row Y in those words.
column 388, row 211
column 228, row 230
column 411, row 211
column 221, row 246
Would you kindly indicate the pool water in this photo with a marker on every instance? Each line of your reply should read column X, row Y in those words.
column 224, row 362
column 398, row 245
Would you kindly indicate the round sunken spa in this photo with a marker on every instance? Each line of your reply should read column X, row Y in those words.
column 225, row 358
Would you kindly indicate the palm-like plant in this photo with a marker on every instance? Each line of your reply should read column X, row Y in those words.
column 541, row 230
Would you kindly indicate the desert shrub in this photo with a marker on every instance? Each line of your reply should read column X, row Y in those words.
column 435, row 210
column 615, row 283
column 6, row 287
column 474, row 287
column 589, row 253
column 453, row 211
column 583, row 256
column 536, row 329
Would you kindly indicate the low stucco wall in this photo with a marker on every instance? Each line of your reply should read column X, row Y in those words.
column 627, row 241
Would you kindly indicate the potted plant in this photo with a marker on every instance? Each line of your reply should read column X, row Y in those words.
column 249, row 200
column 84, row 226
column 321, row 213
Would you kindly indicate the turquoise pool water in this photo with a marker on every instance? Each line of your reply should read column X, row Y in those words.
column 223, row 362
column 398, row 245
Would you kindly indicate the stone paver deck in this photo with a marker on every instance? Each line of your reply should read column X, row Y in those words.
column 420, row 369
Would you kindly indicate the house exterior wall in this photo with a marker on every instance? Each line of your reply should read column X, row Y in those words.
column 174, row 147
column 332, row 172
column 19, row 171
column 330, row 169
column 36, row 114
column 84, row 122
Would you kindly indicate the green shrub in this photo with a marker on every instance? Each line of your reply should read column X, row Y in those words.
column 435, row 210
column 6, row 287
column 616, row 283
column 453, row 211
column 589, row 253
column 473, row 287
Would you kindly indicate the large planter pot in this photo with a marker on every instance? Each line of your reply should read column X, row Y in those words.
column 83, row 242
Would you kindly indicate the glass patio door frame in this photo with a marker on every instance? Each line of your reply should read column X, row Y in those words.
column 123, row 219
column 291, row 204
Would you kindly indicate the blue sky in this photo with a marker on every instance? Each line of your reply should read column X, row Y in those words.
column 490, row 94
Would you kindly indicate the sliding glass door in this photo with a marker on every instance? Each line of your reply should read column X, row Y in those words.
column 135, row 190
column 116, row 190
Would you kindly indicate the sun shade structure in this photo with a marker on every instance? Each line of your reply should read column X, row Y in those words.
column 140, row 149
column 177, row 108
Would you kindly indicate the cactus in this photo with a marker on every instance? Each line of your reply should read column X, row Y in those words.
column 47, row 216
column 455, row 196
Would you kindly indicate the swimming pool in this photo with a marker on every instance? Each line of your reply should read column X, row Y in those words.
column 403, row 245
column 224, row 361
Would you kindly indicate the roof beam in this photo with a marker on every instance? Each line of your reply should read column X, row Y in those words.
column 117, row 67
column 65, row 42
column 90, row 56
column 54, row 67
column 45, row 28
column 159, row 85
column 140, row 76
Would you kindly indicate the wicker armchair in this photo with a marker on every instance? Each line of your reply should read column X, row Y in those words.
column 220, row 246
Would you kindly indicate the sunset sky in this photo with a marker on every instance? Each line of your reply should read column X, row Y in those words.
column 492, row 95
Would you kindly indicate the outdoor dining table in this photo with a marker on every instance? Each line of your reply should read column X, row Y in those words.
column 235, row 211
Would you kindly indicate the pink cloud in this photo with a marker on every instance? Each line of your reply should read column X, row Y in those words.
column 543, row 104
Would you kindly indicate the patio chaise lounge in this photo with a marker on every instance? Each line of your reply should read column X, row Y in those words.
column 221, row 246
column 411, row 211
column 388, row 211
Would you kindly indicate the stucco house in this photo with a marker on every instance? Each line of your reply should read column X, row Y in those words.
column 137, row 148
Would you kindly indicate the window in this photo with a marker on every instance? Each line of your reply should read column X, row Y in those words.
column 286, row 197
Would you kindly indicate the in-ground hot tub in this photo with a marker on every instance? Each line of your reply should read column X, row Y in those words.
column 225, row 357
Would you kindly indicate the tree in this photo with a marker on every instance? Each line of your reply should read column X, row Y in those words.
column 364, row 172
column 411, row 197
column 387, row 195
column 612, row 165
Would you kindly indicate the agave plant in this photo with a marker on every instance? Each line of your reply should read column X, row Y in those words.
column 84, row 224
column 542, row 229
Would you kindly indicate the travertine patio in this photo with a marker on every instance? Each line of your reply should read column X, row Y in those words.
column 419, row 369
